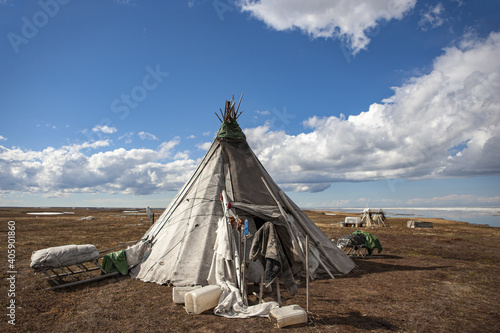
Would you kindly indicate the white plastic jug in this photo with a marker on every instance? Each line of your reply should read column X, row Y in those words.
column 288, row 315
column 179, row 292
column 202, row 299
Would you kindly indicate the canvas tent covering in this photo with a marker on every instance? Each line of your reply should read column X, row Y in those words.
column 184, row 245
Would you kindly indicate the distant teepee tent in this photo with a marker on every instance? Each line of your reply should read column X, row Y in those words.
column 374, row 219
column 230, row 181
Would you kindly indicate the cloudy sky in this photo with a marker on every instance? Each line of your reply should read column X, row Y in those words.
column 379, row 103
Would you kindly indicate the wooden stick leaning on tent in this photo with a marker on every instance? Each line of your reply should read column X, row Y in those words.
column 297, row 240
column 314, row 239
column 238, row 108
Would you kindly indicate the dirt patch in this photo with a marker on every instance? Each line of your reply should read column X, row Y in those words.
column 439, row 279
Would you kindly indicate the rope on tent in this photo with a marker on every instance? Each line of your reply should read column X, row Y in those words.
column 122, row 244
column 182, row 194
column 199, row 202
column 185, row 232
column 174, row 246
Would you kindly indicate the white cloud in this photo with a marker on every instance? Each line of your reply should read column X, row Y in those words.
column 432, row 17
column 104, row 129
column 348, row 20
column 263, row 113
column 125, row 2
column 147, row 136
column 442, row 124
column 59, row 171
column 465, row 200
column 204, row 146
column 127, row 137
column 2, row 138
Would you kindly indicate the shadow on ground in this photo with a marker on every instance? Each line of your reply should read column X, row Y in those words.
column 354, row 319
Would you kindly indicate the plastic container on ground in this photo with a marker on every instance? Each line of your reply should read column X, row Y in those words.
column 288, row 315
column 202, row 299
column 179, row 292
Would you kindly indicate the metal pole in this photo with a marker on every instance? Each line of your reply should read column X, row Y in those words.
column 240, row 243
column 307, row 273
column 245, row 295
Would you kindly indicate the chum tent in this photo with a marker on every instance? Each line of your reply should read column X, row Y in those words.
column 194, row 243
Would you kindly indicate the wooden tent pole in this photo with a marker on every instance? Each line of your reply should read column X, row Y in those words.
column 238, row 108
column 297, row 240
column 282, row 211
column 302, row 224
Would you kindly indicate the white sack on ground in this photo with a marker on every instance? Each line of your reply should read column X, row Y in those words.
column 66, row 255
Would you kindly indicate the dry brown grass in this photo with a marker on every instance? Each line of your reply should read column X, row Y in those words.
column 426, row 280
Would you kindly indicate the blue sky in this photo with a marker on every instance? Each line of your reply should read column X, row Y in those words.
column 388, row 103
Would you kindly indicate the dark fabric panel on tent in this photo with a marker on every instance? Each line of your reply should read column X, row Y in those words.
column 247, row 185
column 285, row 240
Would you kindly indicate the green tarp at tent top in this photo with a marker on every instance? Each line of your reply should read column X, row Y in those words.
column 230, row 130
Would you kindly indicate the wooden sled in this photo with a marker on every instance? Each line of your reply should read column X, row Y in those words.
column 355, row 251
column 65, row 270
column 351, row 247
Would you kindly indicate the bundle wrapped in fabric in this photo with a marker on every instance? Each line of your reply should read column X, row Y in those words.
column 371, row 241
column 55, row 257
column 351, row 240
column 360, row 239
